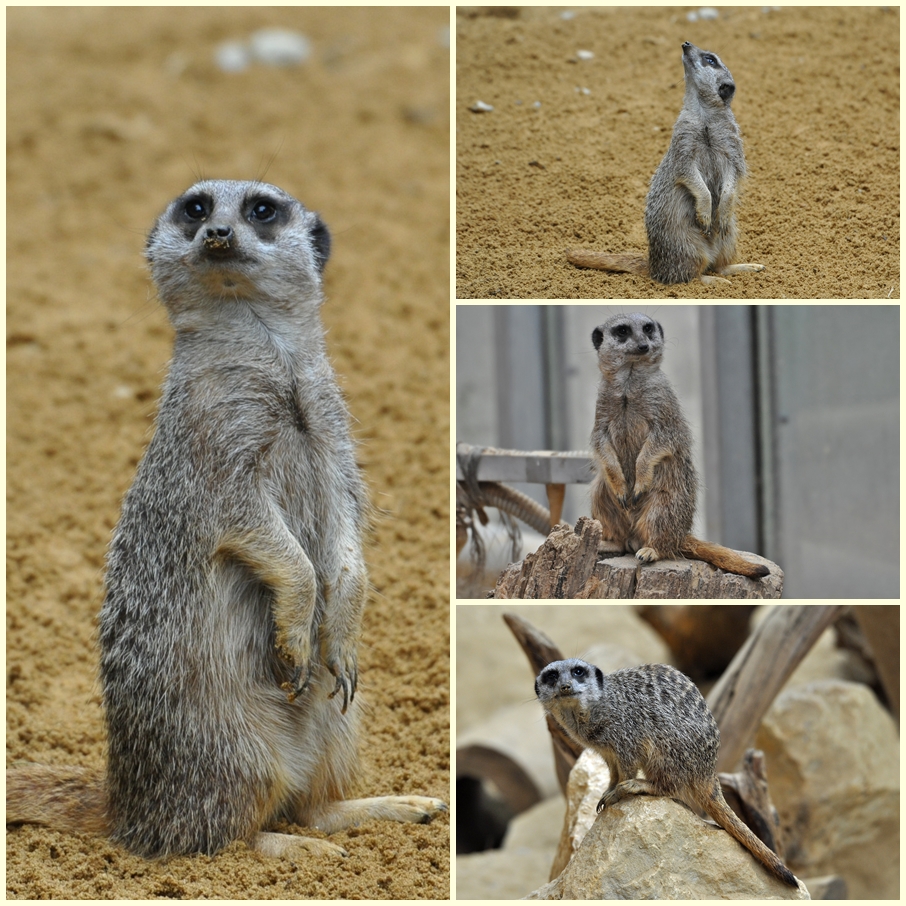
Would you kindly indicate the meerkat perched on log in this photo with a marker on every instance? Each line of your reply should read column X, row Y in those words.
column 645, row 488
column 690, row 213
column 235, row 578
column 651, row 719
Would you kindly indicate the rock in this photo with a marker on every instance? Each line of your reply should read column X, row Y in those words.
column 833, row 757
column 498, row 874
column 656, row 848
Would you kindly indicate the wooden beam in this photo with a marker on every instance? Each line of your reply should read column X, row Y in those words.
column 536, row 466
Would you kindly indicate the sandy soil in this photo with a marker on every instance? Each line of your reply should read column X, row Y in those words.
column 817, row 101
column 111, row 112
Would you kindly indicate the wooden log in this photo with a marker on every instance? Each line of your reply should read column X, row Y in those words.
column 742, row 696
column 568, row 565
column 702, row 637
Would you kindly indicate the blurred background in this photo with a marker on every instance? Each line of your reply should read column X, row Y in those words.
column 794, row 411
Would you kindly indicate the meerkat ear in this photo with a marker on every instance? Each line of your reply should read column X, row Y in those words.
column 660, row 329
column 597, row 337
column 599, row 676
column 320, row 237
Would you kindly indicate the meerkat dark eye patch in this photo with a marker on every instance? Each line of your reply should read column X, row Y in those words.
column 196, row 209
column 622, row 332
column 709, row 60
column 263, row 212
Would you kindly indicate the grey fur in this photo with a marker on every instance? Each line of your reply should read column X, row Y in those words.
column 235, row 578
column 651, row 719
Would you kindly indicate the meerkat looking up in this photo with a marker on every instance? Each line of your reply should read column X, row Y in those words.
column 645, row 488
column 235, row 578
column 690, row 212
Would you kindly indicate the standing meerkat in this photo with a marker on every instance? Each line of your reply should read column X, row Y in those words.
column 690, row 213
column 644, row 491
column 651, row 719
column 235, row 577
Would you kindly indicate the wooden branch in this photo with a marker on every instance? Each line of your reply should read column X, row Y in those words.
column 541, row 651
column 880, row 624
column 742, row 696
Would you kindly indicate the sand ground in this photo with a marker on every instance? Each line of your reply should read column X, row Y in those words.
column 112, row 112
column 817, row 100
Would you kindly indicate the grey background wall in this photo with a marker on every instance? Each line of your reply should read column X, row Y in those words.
column 794, row 410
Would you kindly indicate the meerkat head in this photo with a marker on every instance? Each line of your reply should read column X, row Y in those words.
column 225, row 240
column 563, row 681
column 706, row 77
column 633, row 341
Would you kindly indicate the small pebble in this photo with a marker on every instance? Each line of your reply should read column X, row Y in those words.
column 585, row 54
column 481, row 107
column 567, row 14
column 708, row 12
column 279, row 47
column 232, row 56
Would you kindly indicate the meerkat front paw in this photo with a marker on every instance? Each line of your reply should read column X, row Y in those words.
column 647, row 555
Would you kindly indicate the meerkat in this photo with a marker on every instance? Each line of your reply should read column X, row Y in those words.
column 235, row 578
column 645, row 486
column 651, row 719
column 690, row 213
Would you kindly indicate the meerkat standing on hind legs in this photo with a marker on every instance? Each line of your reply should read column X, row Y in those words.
column 645, row 487
column 235, row 577
column 690, row 212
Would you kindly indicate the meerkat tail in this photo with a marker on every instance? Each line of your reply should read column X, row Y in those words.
column 64, row 798
column 722, row 558
column 716, row 807
column 602, row 261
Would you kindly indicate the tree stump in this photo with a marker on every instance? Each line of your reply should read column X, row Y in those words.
column 568, row 565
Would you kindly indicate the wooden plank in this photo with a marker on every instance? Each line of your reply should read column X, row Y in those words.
column 536, row 466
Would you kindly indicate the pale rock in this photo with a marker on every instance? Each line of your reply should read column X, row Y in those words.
column 655, row 848
column 833, row 766
column 498, row 874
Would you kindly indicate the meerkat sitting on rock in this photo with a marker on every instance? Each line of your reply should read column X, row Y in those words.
column 235, row 577
column 645, row 488
column 690, row 213
column 651, row 719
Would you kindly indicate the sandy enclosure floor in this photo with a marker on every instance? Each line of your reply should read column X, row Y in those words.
column 817, row 100
column 111, row 113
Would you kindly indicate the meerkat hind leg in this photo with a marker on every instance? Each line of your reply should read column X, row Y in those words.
column 280, row 845
column 711, row 279
column 337, row 816
column 731, row 269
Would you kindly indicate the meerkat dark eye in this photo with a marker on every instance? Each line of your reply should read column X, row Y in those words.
column 195, row 209
column 578, row 672
column 709, row 60
column 263, row 212
column 648, row 330
column 621, row 332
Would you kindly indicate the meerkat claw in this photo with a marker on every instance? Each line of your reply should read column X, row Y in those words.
column 293, row 687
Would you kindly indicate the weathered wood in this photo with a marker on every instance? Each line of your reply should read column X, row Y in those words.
column 747, row 794
column 742, row 696
column 702, row 637
column 567, row 565
column 541, row 651
column 534, row 466
column 881, row 625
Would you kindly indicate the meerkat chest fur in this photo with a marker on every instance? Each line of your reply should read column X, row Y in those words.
column 636, row 404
